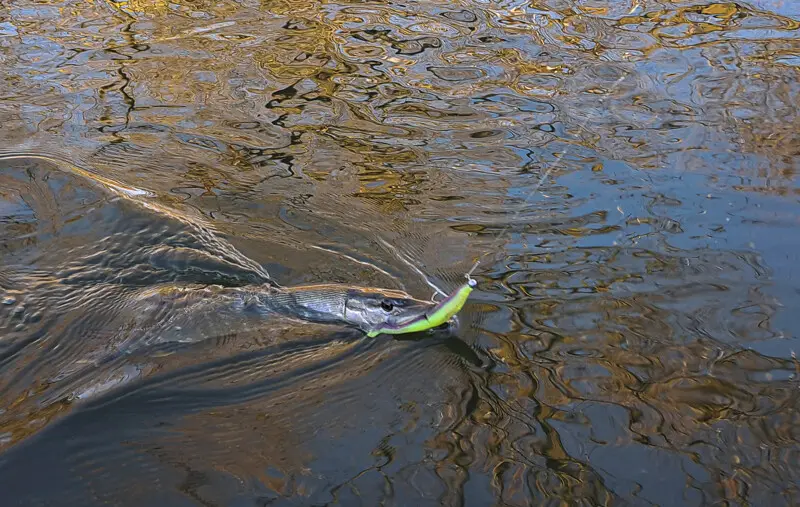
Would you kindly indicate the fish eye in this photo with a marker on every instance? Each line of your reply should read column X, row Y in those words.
column 387, row 305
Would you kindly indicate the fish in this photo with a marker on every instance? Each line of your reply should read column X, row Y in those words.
column 374, row 311
column 168, row 312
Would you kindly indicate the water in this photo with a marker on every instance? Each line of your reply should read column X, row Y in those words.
column 625, row 170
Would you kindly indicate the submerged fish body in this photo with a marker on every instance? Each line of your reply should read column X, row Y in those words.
column 189, row 313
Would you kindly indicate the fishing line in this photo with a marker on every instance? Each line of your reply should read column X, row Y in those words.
column 505, row 229
column 535, row 188
column 468, row 275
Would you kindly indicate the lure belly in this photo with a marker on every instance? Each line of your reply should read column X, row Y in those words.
column 436, row 316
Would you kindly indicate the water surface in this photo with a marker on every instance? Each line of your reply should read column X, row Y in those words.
column 625, row 172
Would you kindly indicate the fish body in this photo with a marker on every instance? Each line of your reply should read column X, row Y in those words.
column 375, row 311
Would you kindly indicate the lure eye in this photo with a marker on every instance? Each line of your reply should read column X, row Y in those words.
column 387, row 306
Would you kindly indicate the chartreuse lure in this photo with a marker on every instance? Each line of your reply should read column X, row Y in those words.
column 442, row 312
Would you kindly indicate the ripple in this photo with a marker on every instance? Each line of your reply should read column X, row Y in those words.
column 457, row 73
column 463, row 15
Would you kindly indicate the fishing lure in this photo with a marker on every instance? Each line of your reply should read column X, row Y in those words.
column 443, row 311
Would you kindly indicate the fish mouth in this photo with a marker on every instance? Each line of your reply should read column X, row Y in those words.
column 450, row 325
column 441, row 331
column 420, row 316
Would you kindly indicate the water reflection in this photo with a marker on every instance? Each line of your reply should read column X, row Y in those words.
column 625, row 170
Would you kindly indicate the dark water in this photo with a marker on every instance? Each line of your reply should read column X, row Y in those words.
column 625, row 171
